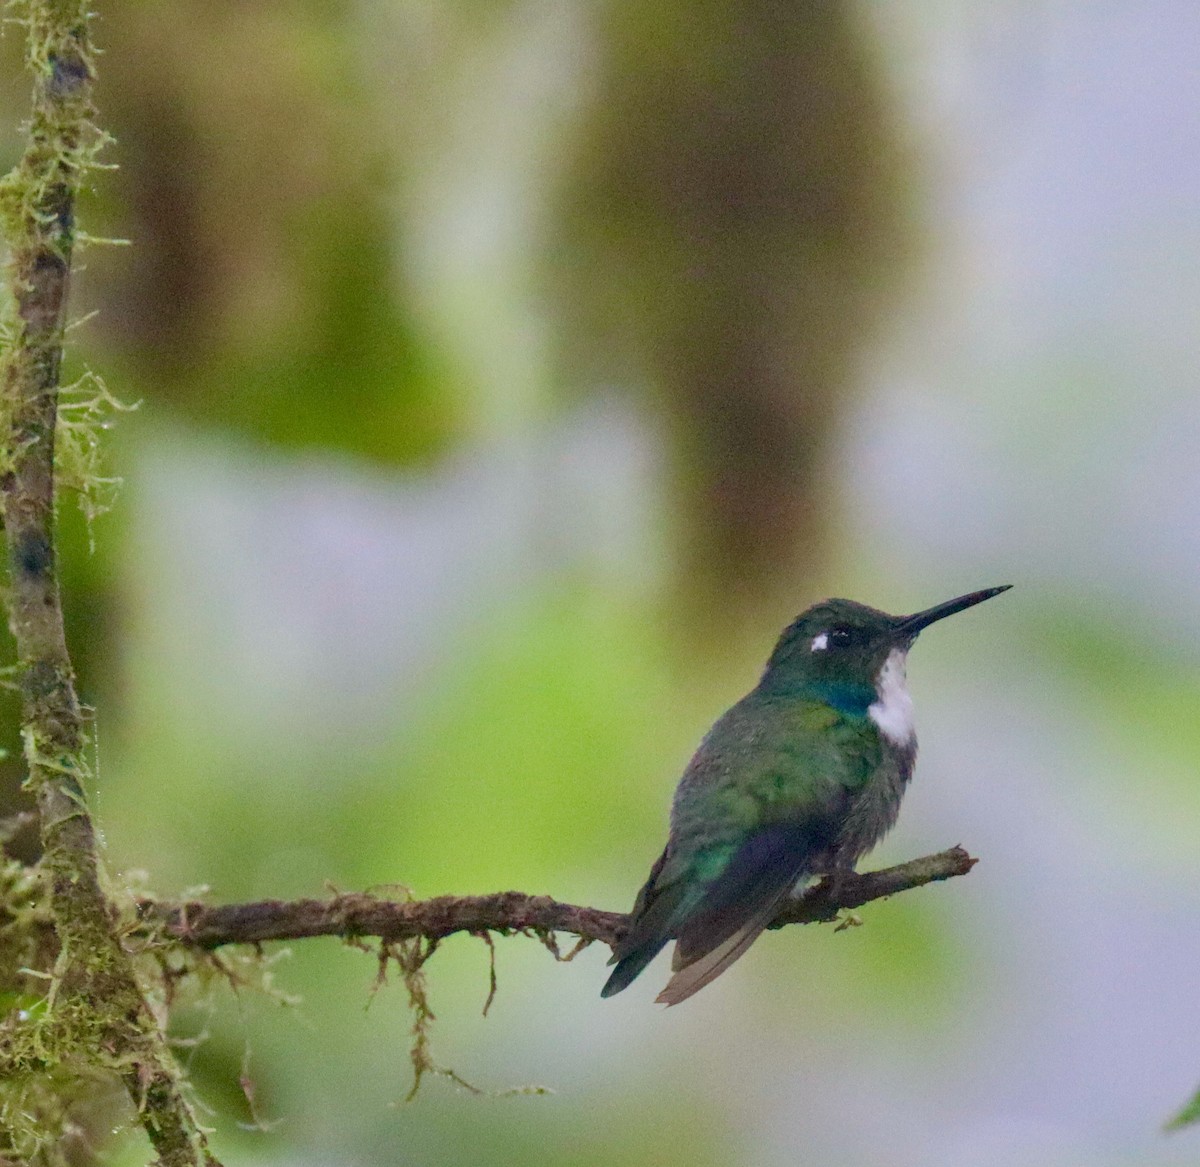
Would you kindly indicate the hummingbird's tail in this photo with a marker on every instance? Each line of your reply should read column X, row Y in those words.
column 692, row 977
column 629, row 966
column 651, row 925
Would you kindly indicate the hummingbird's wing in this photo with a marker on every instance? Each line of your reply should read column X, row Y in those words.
column 713, row 922
column 738, row 906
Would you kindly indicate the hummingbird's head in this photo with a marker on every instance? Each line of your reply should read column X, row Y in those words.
column 842, row 644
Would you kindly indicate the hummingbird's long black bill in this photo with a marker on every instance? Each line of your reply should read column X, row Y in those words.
column 911, row 625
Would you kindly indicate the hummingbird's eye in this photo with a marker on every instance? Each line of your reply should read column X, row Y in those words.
column 841, row 636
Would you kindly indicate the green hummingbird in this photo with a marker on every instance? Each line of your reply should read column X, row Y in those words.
column 802, row 777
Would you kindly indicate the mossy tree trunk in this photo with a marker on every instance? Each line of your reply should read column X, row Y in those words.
column 96, row 1016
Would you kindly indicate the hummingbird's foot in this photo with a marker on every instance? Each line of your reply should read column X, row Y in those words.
column 834, row 879
column 847, row 920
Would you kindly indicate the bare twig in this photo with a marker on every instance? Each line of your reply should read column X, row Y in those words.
column 359, row 914
column 102, row 1015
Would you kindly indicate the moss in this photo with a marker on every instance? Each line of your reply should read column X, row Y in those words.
column 85, row 410
column 77, row 1011
column 43, row 1077
column 73, row 1026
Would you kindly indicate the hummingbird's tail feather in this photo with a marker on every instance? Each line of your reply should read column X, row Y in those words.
column 631, row 965
column 738, row 906
column 648, row 934
column 693, row 977
column 651, row 926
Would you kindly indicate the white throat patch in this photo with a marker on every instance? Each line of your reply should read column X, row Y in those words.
column 893, row 712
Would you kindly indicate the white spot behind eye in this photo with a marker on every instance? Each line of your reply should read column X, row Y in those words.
column 821, row 642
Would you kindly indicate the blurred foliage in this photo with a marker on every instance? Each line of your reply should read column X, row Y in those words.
column 1127, row 679
column 1188, row 1116
column 261, row 294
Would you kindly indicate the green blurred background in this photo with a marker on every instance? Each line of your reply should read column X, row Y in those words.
column 509, row 374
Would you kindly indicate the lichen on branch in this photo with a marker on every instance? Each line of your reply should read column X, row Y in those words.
column 96, row 1017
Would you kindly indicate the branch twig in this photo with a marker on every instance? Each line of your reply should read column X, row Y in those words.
column 359, row 914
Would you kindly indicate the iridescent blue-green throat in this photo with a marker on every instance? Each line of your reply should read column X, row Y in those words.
column 802, row 777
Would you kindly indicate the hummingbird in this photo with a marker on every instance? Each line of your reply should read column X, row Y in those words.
column 801, row 778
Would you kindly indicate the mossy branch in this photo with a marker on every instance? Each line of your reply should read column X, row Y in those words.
column 359, row 914
column 98, row 1014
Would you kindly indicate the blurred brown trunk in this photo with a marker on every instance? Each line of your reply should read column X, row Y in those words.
column 737, row 216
